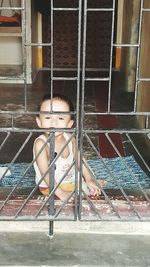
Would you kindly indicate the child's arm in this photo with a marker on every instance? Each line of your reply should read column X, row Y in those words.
column 42, row 159
column 88, row 177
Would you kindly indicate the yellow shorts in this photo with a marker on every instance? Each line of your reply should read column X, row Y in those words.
column 68, row 187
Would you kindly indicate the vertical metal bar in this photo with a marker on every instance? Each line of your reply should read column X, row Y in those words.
column 52, row 48
column 52, row 174
column 12, row 121
column 111, row 54
column 24, row 52
column 138, row 56
column 78, row 106
column 147, row 122
column 52, row 142
column 82, row 100
column 51, row 229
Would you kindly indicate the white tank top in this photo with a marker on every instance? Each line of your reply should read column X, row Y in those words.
column 62, row 165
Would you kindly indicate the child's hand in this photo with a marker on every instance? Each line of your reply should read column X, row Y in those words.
column 94, row 190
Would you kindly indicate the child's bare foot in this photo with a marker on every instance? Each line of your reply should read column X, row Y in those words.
column 63, row 195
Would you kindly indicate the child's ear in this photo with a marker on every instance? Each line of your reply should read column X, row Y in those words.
column 38, row 121
column 70, row 123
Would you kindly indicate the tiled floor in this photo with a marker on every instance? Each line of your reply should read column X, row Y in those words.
column 16, row 98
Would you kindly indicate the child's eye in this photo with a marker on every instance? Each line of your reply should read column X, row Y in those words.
column 61, row 118
column 47, row 118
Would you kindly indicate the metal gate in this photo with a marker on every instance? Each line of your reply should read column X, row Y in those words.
column 111, row 129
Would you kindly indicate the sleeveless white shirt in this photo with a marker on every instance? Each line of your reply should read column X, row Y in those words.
column 62, row 165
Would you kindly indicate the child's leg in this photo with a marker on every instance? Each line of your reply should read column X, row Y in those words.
column 44, row 191
column 62, row 192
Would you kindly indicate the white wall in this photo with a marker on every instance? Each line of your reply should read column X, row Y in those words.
column 10, row 50
column 15, row 3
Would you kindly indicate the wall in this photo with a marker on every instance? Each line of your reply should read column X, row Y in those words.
column 6, row 3
column 144, row 87
column 127, row 33
column 10, row 44
column 36, row 38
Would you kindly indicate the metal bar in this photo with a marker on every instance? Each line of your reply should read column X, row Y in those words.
column 121, row 131
column 17, row 154
column 65, row 9
column 117, row 183
column 111, row 54
column 146, row 9
column 143, row 79
column 38, row 44
column 47, row 172
column 131, row 141
column 102, row 190
column 12, row 8
column 12, row 121
column 51, row 209
column 52, row 51
column 118, row 153
column 74, row 69
column 63, row 205
column 51, row 229
column 144, row 131
column 37, row 185
column 82, row 102
column 53, row 191
column 136, row 113
column 125, row 45
column 92, row 206
column 78, row 106
column 23, row 113
column 46, row 218
column 80, row 130
column 138, row 55
column 100, row 9
column 147, row 122
column 98, row 79
column 24, row 53
column 64, row 78
column 35, row 112
column 17, row 78
column 22, row 130
column 5, row 140
column 9, row 166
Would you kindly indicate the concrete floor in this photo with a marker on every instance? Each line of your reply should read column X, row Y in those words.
column 76, row 249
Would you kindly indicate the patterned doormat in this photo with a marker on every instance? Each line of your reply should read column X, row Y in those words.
column 122, row 172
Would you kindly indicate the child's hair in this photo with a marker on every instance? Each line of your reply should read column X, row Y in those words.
column 58, row 97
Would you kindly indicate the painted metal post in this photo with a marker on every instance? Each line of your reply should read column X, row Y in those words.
column 51, row 210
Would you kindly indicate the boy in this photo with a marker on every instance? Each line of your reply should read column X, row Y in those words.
column 58, row 103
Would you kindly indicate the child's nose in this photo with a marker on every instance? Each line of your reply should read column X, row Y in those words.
column 53, row 123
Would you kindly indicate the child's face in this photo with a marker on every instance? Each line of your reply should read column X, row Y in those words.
column 54, row 120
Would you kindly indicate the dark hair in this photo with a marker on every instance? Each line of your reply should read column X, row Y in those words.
column 59, row 97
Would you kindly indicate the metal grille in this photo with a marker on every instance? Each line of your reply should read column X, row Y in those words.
column 107, row 118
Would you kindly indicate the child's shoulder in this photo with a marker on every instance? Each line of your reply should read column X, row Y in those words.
column 40, row 141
